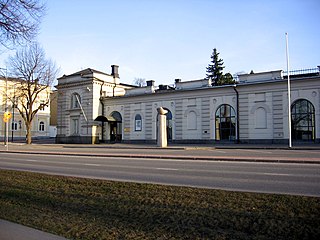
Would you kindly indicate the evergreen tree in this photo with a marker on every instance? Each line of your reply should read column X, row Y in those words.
column 226, row 79
column 215, row 68
column 215, row 71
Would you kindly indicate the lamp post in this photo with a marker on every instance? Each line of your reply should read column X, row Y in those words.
column 13, row 109
column 237, row 120
column 5, row 141
column 289, row 92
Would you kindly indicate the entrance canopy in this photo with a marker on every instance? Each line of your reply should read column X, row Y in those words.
column 101, row 119
column 114, row 117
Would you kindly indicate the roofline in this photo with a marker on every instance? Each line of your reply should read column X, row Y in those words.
column 82, row 72
column 278, row 81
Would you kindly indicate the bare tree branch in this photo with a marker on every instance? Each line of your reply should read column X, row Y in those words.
column 36, row 76
column 19, row 21
column 140, row 82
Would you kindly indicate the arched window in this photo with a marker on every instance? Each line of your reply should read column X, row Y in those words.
column 138, row 123
column 192, row 120
column 225, row 123
column 303, row 120
column 260, row 118
column 117, row 116
column 41, row 126
column 75, row 101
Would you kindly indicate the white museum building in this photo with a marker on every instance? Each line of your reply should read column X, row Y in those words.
column 95, row 107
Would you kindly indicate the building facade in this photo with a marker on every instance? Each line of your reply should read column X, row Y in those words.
column 95, row 107
column 16, row 126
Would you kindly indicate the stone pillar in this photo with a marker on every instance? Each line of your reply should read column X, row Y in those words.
column 162, row 128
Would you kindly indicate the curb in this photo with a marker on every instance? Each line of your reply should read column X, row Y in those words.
column 200, row 158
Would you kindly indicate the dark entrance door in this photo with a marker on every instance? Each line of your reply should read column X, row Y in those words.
column 169, row 125
column 115, row 124
column 225, row 121
column 115, row 132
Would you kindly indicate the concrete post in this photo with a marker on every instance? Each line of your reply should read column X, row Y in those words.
column 162, row 128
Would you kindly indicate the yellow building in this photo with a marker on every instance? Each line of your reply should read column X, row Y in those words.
column 9, row 102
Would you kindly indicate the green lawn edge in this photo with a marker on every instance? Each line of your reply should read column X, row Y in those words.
column 79, row 208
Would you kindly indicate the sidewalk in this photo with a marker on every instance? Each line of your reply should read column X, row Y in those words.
column 13, row 231
column 303, row 153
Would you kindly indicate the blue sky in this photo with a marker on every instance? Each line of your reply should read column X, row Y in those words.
column 167, row 39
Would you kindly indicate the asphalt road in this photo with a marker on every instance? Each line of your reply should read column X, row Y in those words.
column 295, row 179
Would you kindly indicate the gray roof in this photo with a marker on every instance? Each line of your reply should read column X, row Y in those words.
column 84, row 72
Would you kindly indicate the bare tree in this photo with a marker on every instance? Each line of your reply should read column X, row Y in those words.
column 139, row 82
column 19, row 20
column 36, row 76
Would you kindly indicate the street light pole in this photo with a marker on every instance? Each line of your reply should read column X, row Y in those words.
column 289, row 92
column 13, row 109
column 5, row 141
column 237, row 120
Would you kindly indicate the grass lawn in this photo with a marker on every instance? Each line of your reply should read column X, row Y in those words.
column 79, row 208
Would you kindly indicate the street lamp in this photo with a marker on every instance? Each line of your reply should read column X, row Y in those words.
column 237, row 123
column 13, row 110
column 6, row 107
column 289, row 92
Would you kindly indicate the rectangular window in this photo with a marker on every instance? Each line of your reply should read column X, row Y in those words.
column 138, row 126
column 260, row 97
column 14, row 126
column 75, row 126
column 75, row 101
column 41, row 126
column 192, row 102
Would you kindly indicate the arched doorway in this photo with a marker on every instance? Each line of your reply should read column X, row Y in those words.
column 225, row 123
column 303, row 120
column 115, row 126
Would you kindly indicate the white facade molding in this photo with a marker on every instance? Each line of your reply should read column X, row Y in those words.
column 193, row 105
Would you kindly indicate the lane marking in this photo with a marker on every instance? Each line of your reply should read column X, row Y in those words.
column 168, row 169
column 277, row 174
column 256, row 150
column 219, row 151
column 30, row 160
column 92, row 164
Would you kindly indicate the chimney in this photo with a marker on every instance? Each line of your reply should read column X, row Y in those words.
column 150, row 83
column 114, row 71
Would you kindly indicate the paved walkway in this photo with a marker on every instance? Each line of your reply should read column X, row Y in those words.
column 233, row 152
column 13, row 231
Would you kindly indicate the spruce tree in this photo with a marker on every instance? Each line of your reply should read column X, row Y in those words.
column 215, row 71
column 215, row 68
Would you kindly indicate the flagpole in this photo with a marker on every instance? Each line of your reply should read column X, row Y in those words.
column 289, row 91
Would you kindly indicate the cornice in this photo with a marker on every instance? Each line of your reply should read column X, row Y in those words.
column 82, row 83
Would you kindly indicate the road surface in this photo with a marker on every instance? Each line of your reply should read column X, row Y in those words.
column 295, row 179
